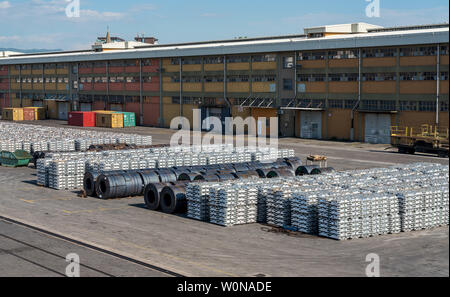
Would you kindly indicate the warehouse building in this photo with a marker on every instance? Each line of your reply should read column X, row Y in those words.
column 346, row 82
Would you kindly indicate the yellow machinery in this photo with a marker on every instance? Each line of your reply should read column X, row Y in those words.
column 426, row 139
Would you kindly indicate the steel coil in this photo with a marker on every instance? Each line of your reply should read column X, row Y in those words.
column 191, row 176
column 225, row 177
column 152, row 195
column 211, row 178
column 326, row 170
column 149, row 177
column 173, row 199
column 294, row 163
column 240, row 167
column 306, row 170
column 166, row 176
column 119, row 185
column 247, row 174
column 89, row 181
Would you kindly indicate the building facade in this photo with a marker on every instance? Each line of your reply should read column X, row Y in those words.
column 343, row 86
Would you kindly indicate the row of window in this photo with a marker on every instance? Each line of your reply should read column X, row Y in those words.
column 234, row 78
column 115, row 79
column 40, row 66
column 390, row 76
column 115, row 63
column 40, row 80
column 220, row 60
column 374, row 53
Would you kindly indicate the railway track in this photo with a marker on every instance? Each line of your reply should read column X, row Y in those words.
column 25, row 250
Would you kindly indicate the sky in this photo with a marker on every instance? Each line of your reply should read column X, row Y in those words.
column 30, row 24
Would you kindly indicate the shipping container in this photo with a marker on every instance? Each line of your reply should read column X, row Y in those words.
column 81, row 119
column 39, row 113
column 104, row 111
column 12, row 114
column 28, row 114
column 129, row 119
column 109, row 120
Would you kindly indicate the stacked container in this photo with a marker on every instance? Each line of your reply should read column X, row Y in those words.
column 28, row 114
column 12, row 114
column 82, row 119
column 39, row 112
column 109, row 120
column 129, row 119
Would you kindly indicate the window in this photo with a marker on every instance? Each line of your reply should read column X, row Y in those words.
column 99, row 65
column 379, row 53
column 379, row 77
column 61, row 66
column 408, row 105
column 267, row 78
column 192, row 79
column 418, row 51
column 238, row 59
column 311, row 56
column 387, row 105
column 444, row 106
column 345, row 54
column 214, row 60
column 288, row 62
column 192, row 61
column 175, row 61
column 238, row 78
column 350, row 104
column 418, row 76
column 444, row 75
column 116, row 63
column 147, row 62
column 214, row 79
column 131, row 63
column 85, row 65
column 311, row 103
column 444, row 50
column 147, row 79
column 287, row 84
column 264, row 58
column 336, row 103
column 427, row 106
column 36, row 67
column 343, row 77
column 175, row 100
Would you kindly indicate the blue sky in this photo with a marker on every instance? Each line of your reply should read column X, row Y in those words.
column 30, row 24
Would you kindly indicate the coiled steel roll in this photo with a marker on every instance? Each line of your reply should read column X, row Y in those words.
column 246, row 174
column 89, row 181
column 211, row 178
column 294, row 163
column 119, row 185
column 152, row 195
column 149, row 177
column 166, row 176
column 179, row 172
column 240, row 167
column 173, row 199
column 263, row 172
column 224, row 177
column 191, row 176
column 306, row 170
column 281, row 172
column 226, row 171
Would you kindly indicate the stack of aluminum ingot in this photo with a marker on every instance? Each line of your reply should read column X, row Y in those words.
column 197, row 196
column 32, row 138
column 342, row 205
column 234, row 205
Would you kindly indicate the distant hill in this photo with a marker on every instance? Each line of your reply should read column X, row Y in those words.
column 29, row 51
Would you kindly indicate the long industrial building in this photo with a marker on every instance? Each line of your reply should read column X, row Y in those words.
column 339, row 82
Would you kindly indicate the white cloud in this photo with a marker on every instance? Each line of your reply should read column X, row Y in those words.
column 5, row 5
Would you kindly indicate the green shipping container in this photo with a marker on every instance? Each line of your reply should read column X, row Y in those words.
column 129, row 119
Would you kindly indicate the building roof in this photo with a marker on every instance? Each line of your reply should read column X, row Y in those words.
column 246, row 46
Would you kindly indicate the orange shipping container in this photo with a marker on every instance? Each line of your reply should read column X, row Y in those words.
column 109, row 120
column 28, row 114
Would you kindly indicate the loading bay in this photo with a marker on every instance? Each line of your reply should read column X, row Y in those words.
column 40, row 226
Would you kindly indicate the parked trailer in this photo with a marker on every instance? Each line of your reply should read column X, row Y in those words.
column 428, row 139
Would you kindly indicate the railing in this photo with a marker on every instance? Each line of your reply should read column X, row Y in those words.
column 425, row 131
